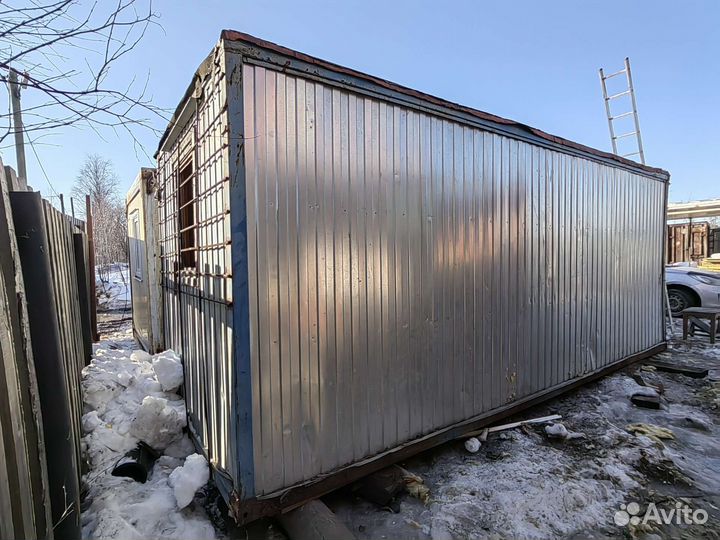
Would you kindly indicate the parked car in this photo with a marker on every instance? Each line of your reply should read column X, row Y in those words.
column 689, row 286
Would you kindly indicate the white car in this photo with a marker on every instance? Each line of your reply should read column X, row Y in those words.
column 690, row 286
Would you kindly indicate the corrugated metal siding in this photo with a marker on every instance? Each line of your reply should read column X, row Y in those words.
column 197, row 303
column 407, row 272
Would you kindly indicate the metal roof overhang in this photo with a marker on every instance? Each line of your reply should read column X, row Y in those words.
column 694, row 209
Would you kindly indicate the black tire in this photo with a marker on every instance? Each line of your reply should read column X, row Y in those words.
column 680, row 300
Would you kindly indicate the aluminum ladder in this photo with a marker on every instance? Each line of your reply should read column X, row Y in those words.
column 631, row 92
column 614, row 138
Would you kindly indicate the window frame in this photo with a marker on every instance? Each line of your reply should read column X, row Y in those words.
column 136, row 251
column 187, row 216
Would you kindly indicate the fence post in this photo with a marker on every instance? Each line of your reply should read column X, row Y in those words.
column 81, row 265
column 91, row 269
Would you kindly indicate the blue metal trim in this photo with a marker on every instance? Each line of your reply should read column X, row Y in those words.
column 242, row 427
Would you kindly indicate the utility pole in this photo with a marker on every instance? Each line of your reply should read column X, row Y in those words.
column 18, row 125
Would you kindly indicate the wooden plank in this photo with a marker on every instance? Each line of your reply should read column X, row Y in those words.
column 682, row 369
column 14, row 182
column 22, row 455
column 80, row 252
column 646, row 401
column 16, row 512
column 701, row 311
column 503, row 427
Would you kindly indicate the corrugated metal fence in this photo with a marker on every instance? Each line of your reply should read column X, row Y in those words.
column 41, row 340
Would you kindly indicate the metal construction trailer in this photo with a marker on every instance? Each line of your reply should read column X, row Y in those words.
column 354, row 271
column 142, row 213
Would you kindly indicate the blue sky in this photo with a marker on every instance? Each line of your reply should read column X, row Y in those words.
column 534, row 62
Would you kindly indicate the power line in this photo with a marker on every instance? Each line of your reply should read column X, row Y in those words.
column 47, row 179
column 32, row 145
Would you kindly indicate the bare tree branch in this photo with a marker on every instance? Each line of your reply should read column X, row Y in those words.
column 92, row 37
column 97, row 178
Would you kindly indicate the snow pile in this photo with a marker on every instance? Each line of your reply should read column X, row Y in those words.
column 90, row 421
column 186, row 480
column 127, row 399
column 168, row 370
column 112, row 286
column 157, row 423
column 122, row 508
column 140, row 356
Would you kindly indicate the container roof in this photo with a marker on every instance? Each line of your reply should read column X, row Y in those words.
column 235, row 36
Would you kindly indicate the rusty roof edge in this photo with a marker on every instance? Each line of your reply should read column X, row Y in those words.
column 234, row 35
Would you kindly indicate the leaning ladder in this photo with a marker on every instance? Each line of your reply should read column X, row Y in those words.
column 614, row 138
column 631, row 92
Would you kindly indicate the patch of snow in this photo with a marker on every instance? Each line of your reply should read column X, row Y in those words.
column 125, row 509
column 112, row 285
column 627, row 386
column 124, row 402
column 90, row 421
column 157, row 423
column 536, row 494
column 712, row 351
column 98, row 394
column 556, row 431
column 472, row 445
column 620, row 476
column 140, row 356
column 647, row 391
column 528, row 490
column 520, row 485
column 168, row 370
column 186, row 480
